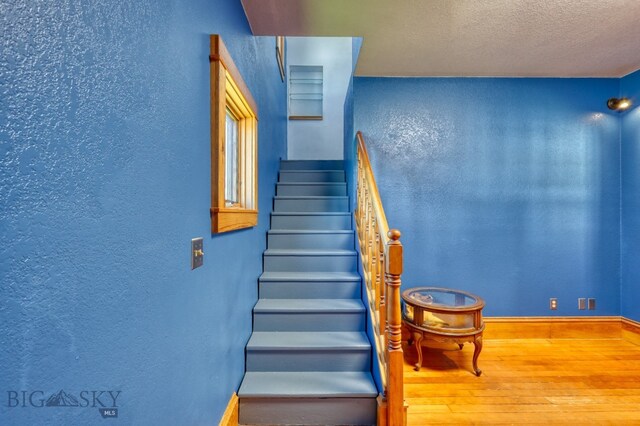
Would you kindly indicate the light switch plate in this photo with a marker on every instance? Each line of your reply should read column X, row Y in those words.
column 197, row 254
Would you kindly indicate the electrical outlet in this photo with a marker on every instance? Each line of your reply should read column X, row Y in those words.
column 197, row 255
column 553, row 303
column 582, row 303
column 592, row 304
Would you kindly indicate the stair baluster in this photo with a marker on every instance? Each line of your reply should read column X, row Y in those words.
column 381, row 251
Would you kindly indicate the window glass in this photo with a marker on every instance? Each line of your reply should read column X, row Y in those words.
column 231, row 150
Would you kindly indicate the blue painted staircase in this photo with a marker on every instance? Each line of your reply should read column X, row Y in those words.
column 309, row 358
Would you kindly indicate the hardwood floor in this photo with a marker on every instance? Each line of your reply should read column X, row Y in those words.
column 526, row 381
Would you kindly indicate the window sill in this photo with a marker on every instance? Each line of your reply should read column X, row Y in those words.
column 232, row 218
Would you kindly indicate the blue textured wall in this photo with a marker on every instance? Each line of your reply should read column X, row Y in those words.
column 349, row 132
column 349, row 145
column 508, row 188
column 104, row 180
column 630, row 238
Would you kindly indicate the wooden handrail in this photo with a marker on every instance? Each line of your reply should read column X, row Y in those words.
column 381, row 252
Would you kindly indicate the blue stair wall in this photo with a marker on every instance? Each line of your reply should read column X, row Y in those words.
column 309, row 358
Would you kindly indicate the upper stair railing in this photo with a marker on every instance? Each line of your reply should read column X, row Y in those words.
column 382, row 266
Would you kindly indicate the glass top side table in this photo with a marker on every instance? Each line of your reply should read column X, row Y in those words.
column 443, row 315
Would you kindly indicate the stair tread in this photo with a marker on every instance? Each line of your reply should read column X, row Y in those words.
column 312, row 161
column 325, row 384
column 312, row 183
column 310, row 213
column 304, row 340
column 309, row 197
column 308, row 305
column 311, row 171
column 309, row 252
column 310, row 231
column 309, row 276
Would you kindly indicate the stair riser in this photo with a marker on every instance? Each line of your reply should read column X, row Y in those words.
column 311, row 205
column 307, row 411
column 310, row 241
column 348, row 321
column 310, row 222
column 319, row 263
column 312, row 190
column 310, row 290
column 308, row 360
column 311, row 165
column 312, row 176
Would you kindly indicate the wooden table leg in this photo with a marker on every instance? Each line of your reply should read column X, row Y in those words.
column 417, row 336
column 477, row 342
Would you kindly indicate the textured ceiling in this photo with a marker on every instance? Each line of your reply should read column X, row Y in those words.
column 550, row 38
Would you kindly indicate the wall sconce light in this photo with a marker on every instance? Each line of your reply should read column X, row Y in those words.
column 619, row 104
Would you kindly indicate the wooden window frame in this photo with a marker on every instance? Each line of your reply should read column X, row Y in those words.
column 228, row 90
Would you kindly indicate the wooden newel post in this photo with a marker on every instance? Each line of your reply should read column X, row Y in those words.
column 393, row 270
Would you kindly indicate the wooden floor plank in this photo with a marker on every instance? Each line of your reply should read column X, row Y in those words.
column 526, row 381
